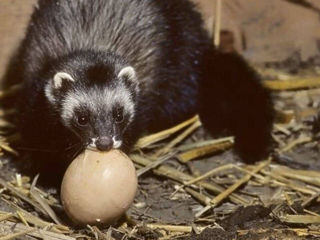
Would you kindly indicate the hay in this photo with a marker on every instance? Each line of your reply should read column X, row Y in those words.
column 219, row 191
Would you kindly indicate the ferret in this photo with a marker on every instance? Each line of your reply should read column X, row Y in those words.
column 100, row 73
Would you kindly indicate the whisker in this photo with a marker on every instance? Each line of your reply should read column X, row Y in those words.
column 35, row 149
column 76, row 153
column 74, row 145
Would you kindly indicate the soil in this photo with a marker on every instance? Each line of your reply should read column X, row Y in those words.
column 158, row 200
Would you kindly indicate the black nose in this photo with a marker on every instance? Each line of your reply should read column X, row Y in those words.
column 104, row 143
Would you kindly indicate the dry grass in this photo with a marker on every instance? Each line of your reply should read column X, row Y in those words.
column 33, row 212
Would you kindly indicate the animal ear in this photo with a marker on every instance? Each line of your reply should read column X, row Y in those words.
column 61, row 77
column 127, row 73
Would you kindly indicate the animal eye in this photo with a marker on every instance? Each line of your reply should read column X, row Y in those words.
column 118, row 115
column 83, row 120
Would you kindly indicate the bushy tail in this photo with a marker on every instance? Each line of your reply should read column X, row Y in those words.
column 233, row 99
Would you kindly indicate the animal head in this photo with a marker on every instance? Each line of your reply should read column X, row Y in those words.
column 95, row 99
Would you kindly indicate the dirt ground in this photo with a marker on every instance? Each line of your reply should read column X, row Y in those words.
column 279, row 202
column 162, row 201
column 288, row 31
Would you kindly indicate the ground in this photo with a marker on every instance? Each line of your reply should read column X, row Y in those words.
column 274, row 199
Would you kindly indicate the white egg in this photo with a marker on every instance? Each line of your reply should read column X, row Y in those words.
column 98, row 187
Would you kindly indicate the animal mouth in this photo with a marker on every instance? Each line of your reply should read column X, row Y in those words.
column 102, row 144
column 116, row 143
column 91, row 145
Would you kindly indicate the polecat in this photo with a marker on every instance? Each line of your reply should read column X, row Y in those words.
column 100, row 73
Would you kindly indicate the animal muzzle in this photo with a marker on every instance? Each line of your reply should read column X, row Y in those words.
column 104, row 143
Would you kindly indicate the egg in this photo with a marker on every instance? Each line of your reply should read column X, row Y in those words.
column 98, row 187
